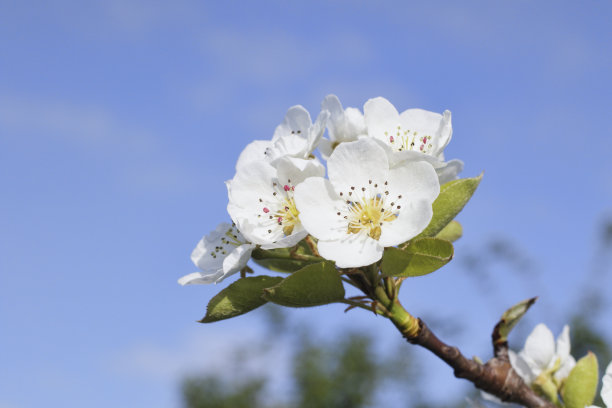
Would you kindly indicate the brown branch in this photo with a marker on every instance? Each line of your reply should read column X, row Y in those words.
column 495, row 377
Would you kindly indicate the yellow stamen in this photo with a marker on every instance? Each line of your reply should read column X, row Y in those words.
column 369, row 217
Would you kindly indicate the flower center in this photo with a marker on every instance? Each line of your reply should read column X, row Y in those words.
column 287, row 215
column 368, row 216
column 229, row 238
column 280, row 211
column 408, row 140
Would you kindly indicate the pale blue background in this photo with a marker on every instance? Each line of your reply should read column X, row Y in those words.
column 120, row 120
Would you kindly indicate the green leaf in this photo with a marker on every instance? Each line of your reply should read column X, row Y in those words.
column 239, row 298
column 452, row 232
column 581, row 385
column 508, row 320
column 282, row 260
column 419, row 257
column 453, row 197
column 313, row 285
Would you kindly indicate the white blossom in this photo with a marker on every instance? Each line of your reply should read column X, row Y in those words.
column 415, row 134
column 261, row 200
column 541, row 356
column 219, row 254
column 366, row 205
column 295, row 137
column 344, row 125
column 606, row 389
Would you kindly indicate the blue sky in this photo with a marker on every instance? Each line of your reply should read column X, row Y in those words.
column 120, row 121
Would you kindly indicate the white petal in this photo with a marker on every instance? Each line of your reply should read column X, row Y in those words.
column 255, row 151
column 252, row 182
column 343, row 125
column 318, row 205
column 606, row 390
column 354, row 124
column 253, row 199
column 396, row 158
column 487, row 397
column 412, row 219
column 200, row 278
column 432, row 124
column 352, row 165
column 333, row 105
column 414, row 181
column 236, row 260
column 316, row 132
column 521, row 367
column 293, row 171
column 563, row 344
column 566, row 367
column 298, row 234
column 326, row 147
column 413, row 186
column 353, row 251
column 449, row 170
column 380, row 117
column 297, row 120
column 540, row 346
column 201, row 254
column 289, row 145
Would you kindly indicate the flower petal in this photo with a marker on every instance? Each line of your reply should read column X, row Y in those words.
column 288, row 145
column 255, row 151
column 354, row 124
column 540, row 347
column 353, row 251
column 563, row 344
column 380, row 117
column 333, row 105
column 297, row 121
column 352, row 165
column 316, row 132
column 414, row 181
column 200, row 278
column 606, row 390
column 236, row 260
column 289, row 241
column 429, row 124
column 343, row 125
column 252, row 182
column 293, row 170
column 201, row 254
column 326, row 147
column 565, row 368
column 449, row 170
column 412, row 219
column 319, row 205
column 521, row 367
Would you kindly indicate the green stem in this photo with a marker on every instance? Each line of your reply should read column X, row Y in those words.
column 360, row 305
column 407, row 324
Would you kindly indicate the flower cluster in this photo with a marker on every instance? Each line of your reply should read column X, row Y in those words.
column 546, row 365
column 384, row 172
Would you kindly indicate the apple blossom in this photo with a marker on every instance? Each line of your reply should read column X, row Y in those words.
column 344, row 125
column 415, row 134
column 219, row 254
column 541, row 356
column 261, row 200
column 296, row 137
column 366, row 205
column 606, row 389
